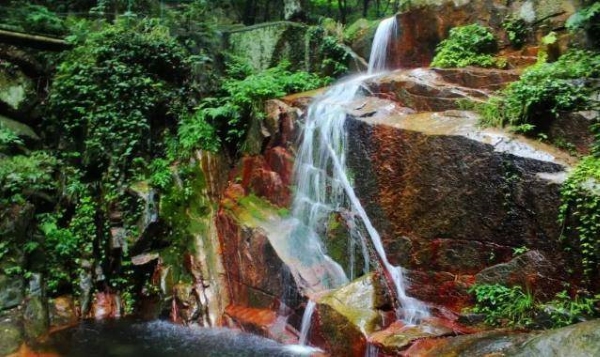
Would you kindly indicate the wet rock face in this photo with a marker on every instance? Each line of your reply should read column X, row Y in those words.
column 578, row 340
column 254, row 271
column 106, row 306
column 435, row 90
column 447, row 196
column 345, row 316
column 459, row 194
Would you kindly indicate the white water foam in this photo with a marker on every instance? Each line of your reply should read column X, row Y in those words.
column 323, row 188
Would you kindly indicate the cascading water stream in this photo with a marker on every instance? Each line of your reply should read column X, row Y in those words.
column 323, row 188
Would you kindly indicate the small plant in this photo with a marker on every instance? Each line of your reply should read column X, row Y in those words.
column 241, row 100
column 511, row 306
column 565, row 310
column 543, row 91
column 471, row 45
column 503, row 305
column 520, row 250
column 329, row 53
column 516, row 30
column 26, row 176
column 161, row 176
column 9, row 140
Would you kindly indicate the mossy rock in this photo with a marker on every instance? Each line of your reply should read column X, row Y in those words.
column 11, row 333
column 17, row 90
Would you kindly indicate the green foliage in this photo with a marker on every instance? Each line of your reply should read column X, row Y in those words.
column 113, row 88
column 580, row 212
column 471, row 45
column 8, row 139
column 65, row 247
column 33, row 18
column 161, row 176
column 520, row 250
column 587, row 19
column 565, row 310
column 328, row 53
column 241, row 100
column 511, row 306
column 544, row 90
column 517, row 31
column 194, row 132
column 503, row 305
column 23, row 176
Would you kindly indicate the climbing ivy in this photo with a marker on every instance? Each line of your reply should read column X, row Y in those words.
column 114, row 92
column 580, row 213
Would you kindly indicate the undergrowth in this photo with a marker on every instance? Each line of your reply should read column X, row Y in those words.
column 515, row 307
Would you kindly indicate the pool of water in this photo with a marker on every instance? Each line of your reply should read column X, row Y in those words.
column 121, row 338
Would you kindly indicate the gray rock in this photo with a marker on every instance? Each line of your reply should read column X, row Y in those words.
column 11, row 333
column 579, row 340
column 11, row 291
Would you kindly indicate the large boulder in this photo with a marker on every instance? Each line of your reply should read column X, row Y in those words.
column 580, row 340
column 17, row 91
column 464, row 197
column 345, row 317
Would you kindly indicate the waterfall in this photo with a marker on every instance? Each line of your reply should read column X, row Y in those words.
column 306, row 318
column 323, row 188
column 386, row 32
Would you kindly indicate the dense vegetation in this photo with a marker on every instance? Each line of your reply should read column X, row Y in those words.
column 127, row 107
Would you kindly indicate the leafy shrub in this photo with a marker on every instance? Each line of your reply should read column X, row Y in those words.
column 516, row 30
column 243, row 99
column 565, row 310
column 117, row 89
column 511, row 306
column 9, row 140
column 471, row 45
column 503, row 305
column 545, row 89
column 580, row 212
column 33, row 18
column 329, row 55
